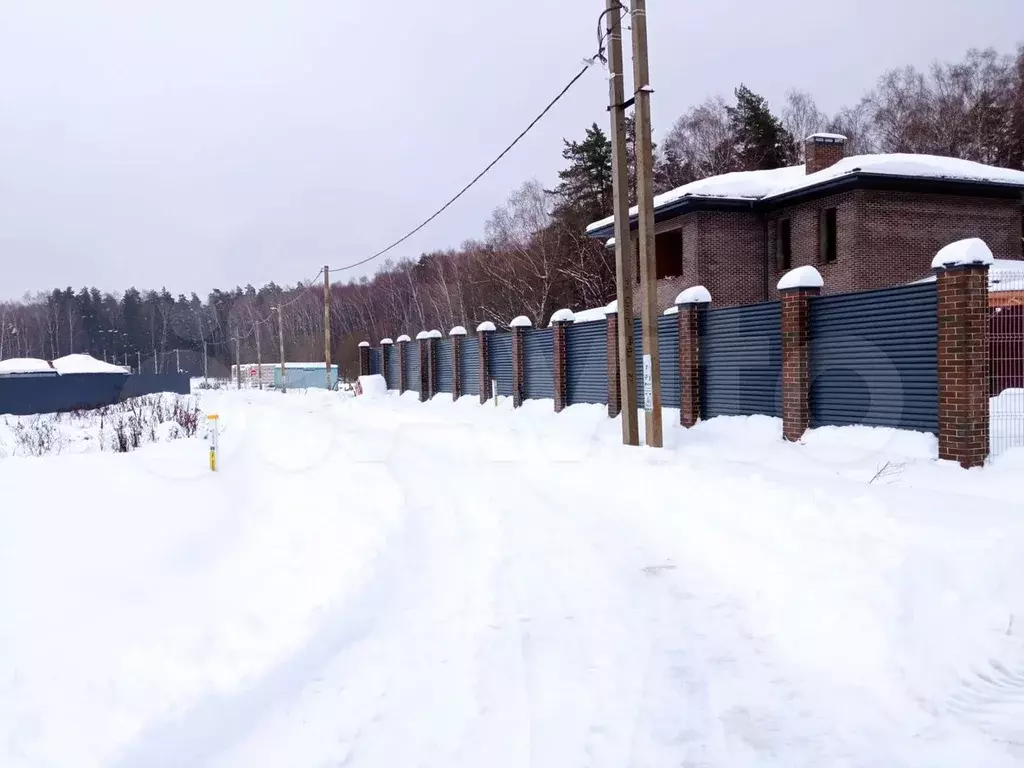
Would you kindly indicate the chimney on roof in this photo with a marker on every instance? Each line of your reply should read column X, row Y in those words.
column 823, row 150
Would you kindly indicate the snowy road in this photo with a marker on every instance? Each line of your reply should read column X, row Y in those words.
column 391, row 584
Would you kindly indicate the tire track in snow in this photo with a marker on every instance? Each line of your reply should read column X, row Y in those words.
column 992, row 699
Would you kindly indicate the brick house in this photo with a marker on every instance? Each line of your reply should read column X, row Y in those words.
column 867, row 221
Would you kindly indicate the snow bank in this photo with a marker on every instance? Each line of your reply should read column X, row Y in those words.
column 972, row 250
column 371, row 386
column 24, row 365
column 85, row 364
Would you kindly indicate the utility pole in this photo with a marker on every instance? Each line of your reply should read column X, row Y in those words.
column 177, row 360
column 156, row 362
column 623, row 252
column 238, row 365
column 206, row 366
column 125, row 359
column 139, row 368
column 259, row 357
column 280, row 336
column 327, row 322
column 645, row 232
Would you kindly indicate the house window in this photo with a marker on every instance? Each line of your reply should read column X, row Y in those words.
column 828, row 235
column 668, row 253
column 785, row 243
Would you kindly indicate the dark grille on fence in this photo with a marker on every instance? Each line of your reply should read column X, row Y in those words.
column 445, row 381
column 499, row 349
column 874, row 359
column 538, row 363
column 374, row 361
column 587, row 362
column 741, row 360
column 392, row 354
column 469, row 362
column 1006, row 359
column 412, row 365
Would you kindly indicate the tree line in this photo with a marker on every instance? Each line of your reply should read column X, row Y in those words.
column 534, row 256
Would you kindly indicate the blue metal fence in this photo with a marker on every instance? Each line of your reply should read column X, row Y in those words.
column 499, row 351
column 668, row 353
column 393, row 372
column 539, row 363
column 469, row 363
column 140, row 384
column 444, row 377
column 741, row 360
column 586, row 361
column 874, row 358
column 374, row 362
column 412, row 366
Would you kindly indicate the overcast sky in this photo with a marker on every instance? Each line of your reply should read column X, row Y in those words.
column 201, row 143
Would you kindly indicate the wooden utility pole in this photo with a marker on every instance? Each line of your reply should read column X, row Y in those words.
column 280, row 336
column 623, row 252
column 138, row 352
column 645, row 233
column 327, row 323
column 206, row 366
column 177, row 360
column 238, row 365
column 259, row 357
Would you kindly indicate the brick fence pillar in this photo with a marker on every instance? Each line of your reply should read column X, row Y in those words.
column 425, row 365
column 518, row 327
column 963, row 351
column 385, row 346
column 612, row 350
column 364, row 358
column 797, row 289
column 690, row 305
column 403, row 340
column 456, row 334
column 560, row 322
column 483, row 332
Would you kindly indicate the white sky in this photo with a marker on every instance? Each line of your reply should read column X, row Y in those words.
column 203, row 143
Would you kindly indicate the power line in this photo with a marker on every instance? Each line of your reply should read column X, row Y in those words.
column 599, row 56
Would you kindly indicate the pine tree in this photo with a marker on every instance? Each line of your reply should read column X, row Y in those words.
column 762, row 143
column 585, row 186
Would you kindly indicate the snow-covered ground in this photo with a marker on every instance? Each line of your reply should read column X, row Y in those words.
column 377, row 582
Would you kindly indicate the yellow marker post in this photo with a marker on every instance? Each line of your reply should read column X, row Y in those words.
column 213, row 440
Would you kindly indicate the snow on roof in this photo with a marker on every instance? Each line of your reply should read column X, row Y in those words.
column 24, row 365
column 85, row 364
column 434, row 334
column 364, row 343
column 520, row 322
column 458, row 330
column 801, row 277
column 563, row 316
column 820, row 135
column 404, row 337
column 698, row 294
column 764, row 185
column 386, row 341
column 486, row 325
column 973, row 250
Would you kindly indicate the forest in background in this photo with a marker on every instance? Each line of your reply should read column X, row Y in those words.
column 534, row 257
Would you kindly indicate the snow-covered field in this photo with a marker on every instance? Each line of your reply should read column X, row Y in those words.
column 375, row 582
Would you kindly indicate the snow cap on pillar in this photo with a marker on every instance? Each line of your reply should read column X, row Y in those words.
column 563, row 316
column 801, row 277
column 404, row 337
column 698, row 294
column 434, row 334
column 673, row 310
column 386, row 341
column 520, row 322
column 612, row 308
column 458, row 330
column 364, row 343
column 963, row 253
column 422, row 335
column 486, row 325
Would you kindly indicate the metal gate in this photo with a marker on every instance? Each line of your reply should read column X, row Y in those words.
column 1006, row 360
column 499, row 351
column 586, row 360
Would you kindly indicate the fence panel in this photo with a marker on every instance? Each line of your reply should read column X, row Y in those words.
column 140, row 384
column 1006, row 357
column 24, row 395
column 375, row 362
column 539, row 363
column 668, row 354
column 412, row 366
column 499, row 350
column 874, row 358
column 392, row 354
column 741, row 360
column 586, row 363
column 445, row 379
column 469, row 364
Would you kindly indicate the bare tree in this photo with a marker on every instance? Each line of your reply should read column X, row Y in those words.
column 801, row 117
